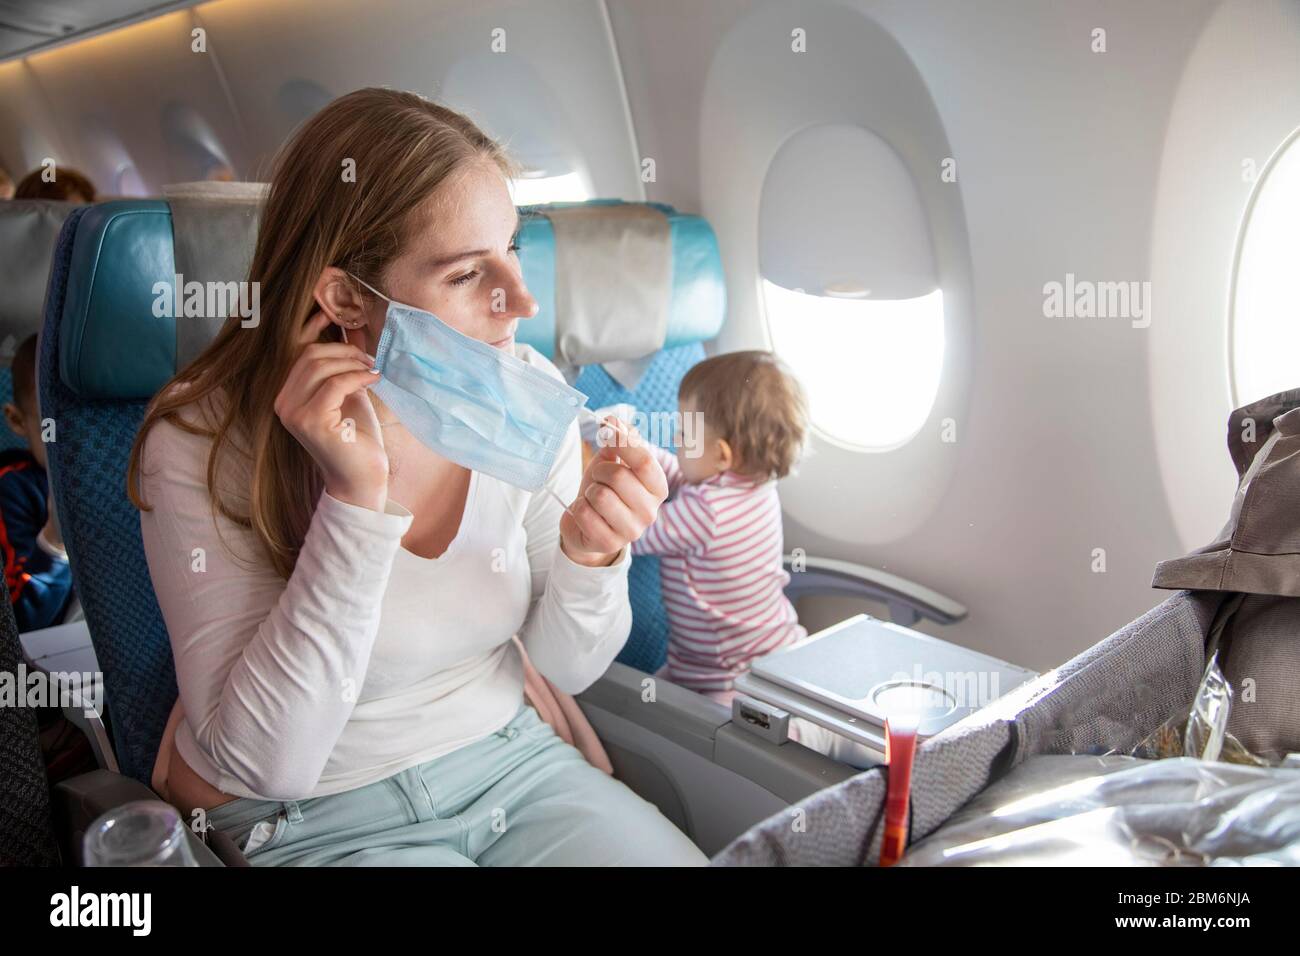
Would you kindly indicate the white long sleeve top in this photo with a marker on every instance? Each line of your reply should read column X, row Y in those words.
column 369, row 659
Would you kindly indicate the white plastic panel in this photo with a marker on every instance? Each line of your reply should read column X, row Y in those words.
column 194, row 150
column 110, row 94
column 556, row 55
column 30, row 132
column 760, row 92
column 848, row 272
column 1226, row 122
column 841, row 215
column 143, row 97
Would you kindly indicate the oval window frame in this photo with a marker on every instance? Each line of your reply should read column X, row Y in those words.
column 1230, row 350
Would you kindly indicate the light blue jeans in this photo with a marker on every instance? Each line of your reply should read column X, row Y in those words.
column 519, row 797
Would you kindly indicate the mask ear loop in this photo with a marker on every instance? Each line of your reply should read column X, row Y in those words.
column 604, row 436
column 561, row 503
column 372, row 289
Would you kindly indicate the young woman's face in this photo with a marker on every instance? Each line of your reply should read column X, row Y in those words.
column 461, row 263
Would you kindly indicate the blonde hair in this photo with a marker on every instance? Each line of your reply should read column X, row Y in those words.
column 752, row 402
column 404, row 147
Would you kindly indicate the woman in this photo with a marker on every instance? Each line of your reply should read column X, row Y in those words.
column 340, row 599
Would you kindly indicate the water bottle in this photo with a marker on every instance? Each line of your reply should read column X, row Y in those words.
column 139, row 833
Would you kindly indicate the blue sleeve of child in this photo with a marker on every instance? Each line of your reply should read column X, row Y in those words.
column 45, row 593
column 39, row 583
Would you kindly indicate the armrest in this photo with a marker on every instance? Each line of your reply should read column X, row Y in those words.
column 687, row 719
column 52, row 641
column 692, row 723
column 68, row 648
column 908, row 601
column 80, row 800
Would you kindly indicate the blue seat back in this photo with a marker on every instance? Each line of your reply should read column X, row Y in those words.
column 105, row 353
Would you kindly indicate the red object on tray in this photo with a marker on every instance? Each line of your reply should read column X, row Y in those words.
column 900, row 748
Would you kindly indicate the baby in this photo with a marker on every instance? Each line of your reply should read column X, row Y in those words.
column 719, row 536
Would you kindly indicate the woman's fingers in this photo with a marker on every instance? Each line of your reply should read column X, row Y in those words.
column 327, row 350
column 321, row 371
column 303, row 378
column 621, row 490
column 319, row 395
column 335, row 389
column 615, row 512
column 313, row 327
column 596, row 534
column 641, row 504
column 630, row 448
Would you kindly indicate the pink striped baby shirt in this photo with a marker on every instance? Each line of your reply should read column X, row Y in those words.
column 720, row 544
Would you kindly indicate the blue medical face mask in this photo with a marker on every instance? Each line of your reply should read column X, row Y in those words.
column 471, row 402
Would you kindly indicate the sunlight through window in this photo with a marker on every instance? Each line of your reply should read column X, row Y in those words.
column 1265, row 332
column 571, row 187
column 871, row 369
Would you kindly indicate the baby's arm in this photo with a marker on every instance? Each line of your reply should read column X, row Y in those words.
column 685, row 525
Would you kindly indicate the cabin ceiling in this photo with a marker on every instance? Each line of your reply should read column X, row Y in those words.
column 30, row 25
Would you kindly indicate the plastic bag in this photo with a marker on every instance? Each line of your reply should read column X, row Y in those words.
column 1203, row 733
column 1116, row 810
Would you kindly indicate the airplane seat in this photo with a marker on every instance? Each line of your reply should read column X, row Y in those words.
column 639, row 287
column 673, row 267
column 28, row 230
column 40, row 827
column 26, row 823
column 102, row 356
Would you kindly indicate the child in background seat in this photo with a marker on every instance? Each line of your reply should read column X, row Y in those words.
column 35, row 562
column 719, row 535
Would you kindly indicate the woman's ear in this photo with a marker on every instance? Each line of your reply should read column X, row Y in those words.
column 339, row 299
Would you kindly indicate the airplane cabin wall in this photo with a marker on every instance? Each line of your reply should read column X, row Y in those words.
column 143, row 97
column 1059, row 151
column 1069, row 436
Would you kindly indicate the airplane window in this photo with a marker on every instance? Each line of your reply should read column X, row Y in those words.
column 532, row 190
column 829, row 342
column 850, row 286
column 194, row 152
column 1265, row 337
column 107, row 154
column 127, row 181
column 515, row 105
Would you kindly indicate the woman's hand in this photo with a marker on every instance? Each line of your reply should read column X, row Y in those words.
column 618, row 499
column 324, row 393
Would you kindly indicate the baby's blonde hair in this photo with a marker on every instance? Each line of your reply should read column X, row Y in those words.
column 752, row 402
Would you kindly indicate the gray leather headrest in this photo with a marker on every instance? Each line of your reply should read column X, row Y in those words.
column 28, row 230
column 214, row 233
column 613, row 287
